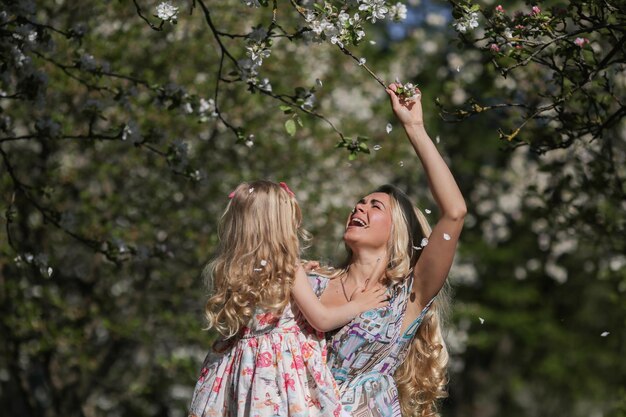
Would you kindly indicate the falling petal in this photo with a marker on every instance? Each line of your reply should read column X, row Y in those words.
column 318, row 82
column 263, row 262
column 437, row 139
column 482, row 320
column 362, row 61
column 417, row 248
column 49, row 271
column 401, row 163
column 427, row 211
column 605, row 334
column 458, row 69
column 249, row 143
column 424, row 242
column 251, row 189
column 446, row 236
column 389, row 128
column 372, row 42
column 258, row 269
column 377, row 147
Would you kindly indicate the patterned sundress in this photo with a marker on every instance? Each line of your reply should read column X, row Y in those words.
column 278, row 368
column 365, row 353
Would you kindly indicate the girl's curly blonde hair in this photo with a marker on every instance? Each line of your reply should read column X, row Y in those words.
column 259, row 247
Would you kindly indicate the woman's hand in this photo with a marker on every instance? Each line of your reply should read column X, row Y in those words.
column 409, row 112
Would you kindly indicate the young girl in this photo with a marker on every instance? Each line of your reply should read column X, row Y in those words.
column 271, row 362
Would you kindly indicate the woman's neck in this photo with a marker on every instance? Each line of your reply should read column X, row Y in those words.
column 366, row 267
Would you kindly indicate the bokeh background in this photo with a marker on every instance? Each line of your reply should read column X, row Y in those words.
column 116, row 166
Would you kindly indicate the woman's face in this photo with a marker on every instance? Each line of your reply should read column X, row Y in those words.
column 369, row 225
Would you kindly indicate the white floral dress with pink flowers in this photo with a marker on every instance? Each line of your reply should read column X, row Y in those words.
column 277, row 368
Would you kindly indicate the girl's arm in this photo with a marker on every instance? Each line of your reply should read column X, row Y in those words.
column 434, row 263
column 325, row 318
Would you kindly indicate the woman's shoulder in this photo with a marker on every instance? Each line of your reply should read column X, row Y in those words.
column 319, row 279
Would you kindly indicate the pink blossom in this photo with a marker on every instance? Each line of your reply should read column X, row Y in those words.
column 581, row 42
column 494, row 48
column 535, row 10
column 519, row 27
column 499, row 8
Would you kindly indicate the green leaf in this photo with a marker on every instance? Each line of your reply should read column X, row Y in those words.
column 290, row 127
column 285, row 108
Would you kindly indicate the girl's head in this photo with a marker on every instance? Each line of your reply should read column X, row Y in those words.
column 258, row 251
column 387, row 220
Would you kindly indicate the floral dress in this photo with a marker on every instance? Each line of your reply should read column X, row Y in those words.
column 277, row 368
column 365, row 353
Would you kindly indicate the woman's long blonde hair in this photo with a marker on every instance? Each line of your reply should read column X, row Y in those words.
column 256, row 259
column 422, row 376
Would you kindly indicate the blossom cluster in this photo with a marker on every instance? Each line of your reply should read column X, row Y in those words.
column 343, row 24
column 513, row 31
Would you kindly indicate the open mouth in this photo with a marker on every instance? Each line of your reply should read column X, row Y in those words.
column 356, row 222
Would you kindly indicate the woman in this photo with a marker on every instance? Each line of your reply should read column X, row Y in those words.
column 392, row 361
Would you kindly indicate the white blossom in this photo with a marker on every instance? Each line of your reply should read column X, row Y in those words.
column 389, row 127
column 376, row 8
column 166, row 12
column 398, row 12
column 265, row 85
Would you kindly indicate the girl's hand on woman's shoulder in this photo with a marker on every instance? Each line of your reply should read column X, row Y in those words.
column 408, row 111
column 310, row 266
column 369, row 298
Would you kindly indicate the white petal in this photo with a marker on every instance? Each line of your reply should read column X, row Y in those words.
column 417, row 248
column 401, row 163
column 446, row 236
column 377, row 147
column 424, row 242
column 427, row 211
column 49, row 271
column 389, row 127
column 437, row 139
column 251, row 189
column 263, row 262
column 258, row 269
column 605, row 334
column 482, row 320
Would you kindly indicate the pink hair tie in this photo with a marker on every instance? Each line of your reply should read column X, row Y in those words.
column 286, row 188
column 231, row 195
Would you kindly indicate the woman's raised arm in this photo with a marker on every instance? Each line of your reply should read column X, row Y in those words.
column 435, row 261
